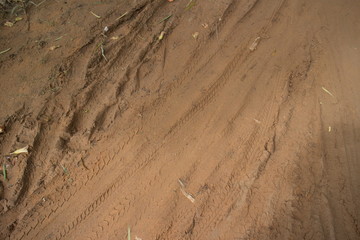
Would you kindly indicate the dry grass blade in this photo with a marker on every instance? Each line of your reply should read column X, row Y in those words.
column 190, row 4
column 57, row 39
column 122, row 16
column 165, row 18
column 5, row 51
column 328, row 92
column 188, row 195
column 129, row 233
column 161, row 36
column 103, row 52
column 181, row 183
column 4, row 172
column 65, row 170
column 21, row 150
column 95, row 15
column 254, row 44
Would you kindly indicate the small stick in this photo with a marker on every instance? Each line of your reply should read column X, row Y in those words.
column 181, row 183
column 97, row 16
column 57, row 39
column 5, row 51
column 65, row 170
column 4, row 172
column 188, row 195
column 190, row 4
column 129, row 233
column 328, row 92
column 166, row 18
column 122, row 16
column 255, row 44
column 103, row 52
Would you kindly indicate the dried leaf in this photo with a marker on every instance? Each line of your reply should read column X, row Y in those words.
column 114, row 38
column 18, row 19
column 8, row 24
column 21, row 150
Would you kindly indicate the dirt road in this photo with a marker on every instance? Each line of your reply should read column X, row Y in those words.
column 207, row 119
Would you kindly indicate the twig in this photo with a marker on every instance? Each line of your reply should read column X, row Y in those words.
column 328, row 92
column 181, row 183
column 122, row 16
column 129, row 233
column 190, row 4
column 57, row 39
column 4, row 172
column 255, row 44
column 65, row 170
column 165, row 18
column 5, row 51
column 188, row 195
column 95, row 15
column 103, row 52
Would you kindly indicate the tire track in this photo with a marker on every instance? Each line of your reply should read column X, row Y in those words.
column 201, row 103
column 249, row 140
column 89, row 177
column 233, row 189
column 79, row 181
column 191, row 68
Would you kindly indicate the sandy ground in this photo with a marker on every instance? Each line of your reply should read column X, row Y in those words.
column 242, row 121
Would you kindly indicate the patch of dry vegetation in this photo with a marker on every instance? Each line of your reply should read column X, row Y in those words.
column 13, row 7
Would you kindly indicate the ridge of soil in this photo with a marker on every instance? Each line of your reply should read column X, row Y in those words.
column 181, row 120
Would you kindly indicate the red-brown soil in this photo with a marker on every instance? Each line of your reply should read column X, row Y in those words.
column 242, row 122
